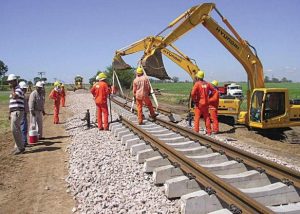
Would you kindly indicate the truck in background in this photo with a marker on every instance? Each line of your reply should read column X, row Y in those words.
column 231, row 89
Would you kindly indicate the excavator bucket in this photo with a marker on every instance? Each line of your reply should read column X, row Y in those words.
column 119, row 64
column 154, row 66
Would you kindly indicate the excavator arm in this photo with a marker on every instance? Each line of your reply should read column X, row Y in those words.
column 155, row 67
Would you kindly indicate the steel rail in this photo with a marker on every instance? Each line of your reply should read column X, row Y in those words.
column 226, row 192
column 283, row 173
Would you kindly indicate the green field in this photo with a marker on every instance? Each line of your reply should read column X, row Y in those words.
column 178, row 93
column 4, row 122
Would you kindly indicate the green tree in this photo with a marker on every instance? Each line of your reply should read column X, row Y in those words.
column 175, row 79
column 3, row 69
column 36, row 79
column 267, row 79
column 284, row 79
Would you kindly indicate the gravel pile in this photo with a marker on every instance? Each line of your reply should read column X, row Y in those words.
column 103, row 177
column 249, row 148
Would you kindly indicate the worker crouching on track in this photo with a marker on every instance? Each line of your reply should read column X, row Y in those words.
column 63, row 96
column 199, row 94
column 213, row 107
column 101, row 92
column 55, row 95
column 141, row 92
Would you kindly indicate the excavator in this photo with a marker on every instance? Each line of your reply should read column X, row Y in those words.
column 267, row 108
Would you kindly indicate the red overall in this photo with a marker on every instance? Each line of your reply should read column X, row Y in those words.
column 63, row 97
column 55, row 95
column 100, row 92
column 199, row 95
column 141, row 91
column 213, row 110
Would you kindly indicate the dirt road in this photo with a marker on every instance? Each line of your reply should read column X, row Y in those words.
column 34, row 181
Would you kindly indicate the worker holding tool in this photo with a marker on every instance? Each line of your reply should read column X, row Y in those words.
column 199, row 95
column 141, row 92
column 100, row 93
column 24, row 122
column 36, row 109
column 63, row 96
column 16, row 112
column 55, row 95
column 213, row 107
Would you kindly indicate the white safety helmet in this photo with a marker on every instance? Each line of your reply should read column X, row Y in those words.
column 39, row 84
column 23, row 84
column 11, row 77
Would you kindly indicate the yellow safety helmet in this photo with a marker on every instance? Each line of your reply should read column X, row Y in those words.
column 139, row 70
column 56, row 83
column 62, row 85
column 102, row 76
column 200, row 74
column 215, row 83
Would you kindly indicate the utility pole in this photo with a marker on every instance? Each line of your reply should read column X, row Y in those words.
column 41, row 74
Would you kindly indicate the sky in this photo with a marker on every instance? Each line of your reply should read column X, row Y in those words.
column 65, row 38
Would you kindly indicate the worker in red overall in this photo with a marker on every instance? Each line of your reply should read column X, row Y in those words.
column 213, row 107
column 141, row 92
column 199, row 95
column 101, row 92
column 55, row 95
column 63, row 96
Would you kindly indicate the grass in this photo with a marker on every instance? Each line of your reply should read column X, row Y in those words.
column 176, row 93
column 4, row 122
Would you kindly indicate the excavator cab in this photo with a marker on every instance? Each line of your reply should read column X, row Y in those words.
column 268, row 108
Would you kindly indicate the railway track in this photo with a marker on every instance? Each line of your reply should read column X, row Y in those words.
column 208, row 175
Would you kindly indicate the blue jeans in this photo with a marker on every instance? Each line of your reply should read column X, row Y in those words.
column 24, row 128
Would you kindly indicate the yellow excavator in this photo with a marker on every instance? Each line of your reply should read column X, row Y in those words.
column 267, row 108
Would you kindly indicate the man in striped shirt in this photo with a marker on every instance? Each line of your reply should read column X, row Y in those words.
column 16, row 112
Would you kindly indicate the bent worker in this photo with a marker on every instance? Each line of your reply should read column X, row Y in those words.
column 213, row 107
column 24, row 121
column 16, row 113
column 141, row 92
column 63, row 96
column 100, row 93
column 36, row 109
column 199, row 94
column 55, row 95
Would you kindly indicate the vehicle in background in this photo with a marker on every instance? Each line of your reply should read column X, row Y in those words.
column 78, row 82
column 231, row 89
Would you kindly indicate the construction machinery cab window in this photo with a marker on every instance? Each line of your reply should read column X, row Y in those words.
column 256, row 106
column 274, row 105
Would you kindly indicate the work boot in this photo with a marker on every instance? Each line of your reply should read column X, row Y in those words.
column 18, row 152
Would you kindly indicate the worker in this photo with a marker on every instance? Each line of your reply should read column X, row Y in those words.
column 36, row 109
column 16, row 112
column 141, row 92
column 55, row 95
column 63, row 96
column 213, row 107
column 199, row 95
column 100, row 93
column 24, row 122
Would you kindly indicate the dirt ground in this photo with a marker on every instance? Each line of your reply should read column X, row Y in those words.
column 34, row 181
